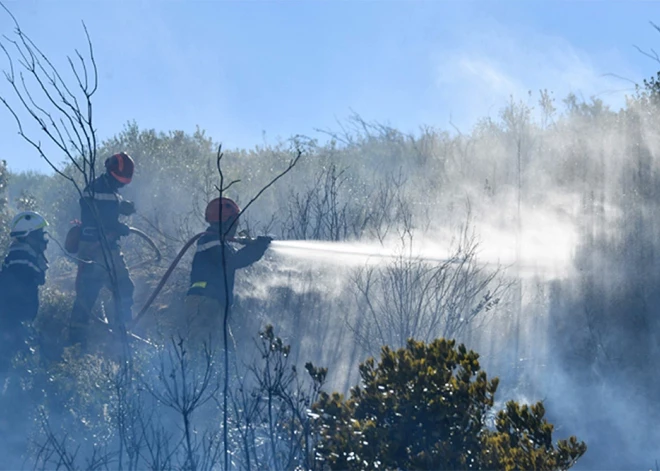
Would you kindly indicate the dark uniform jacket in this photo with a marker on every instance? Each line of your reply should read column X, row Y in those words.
column 207, row 277
column 102, row 194
column 23, row 271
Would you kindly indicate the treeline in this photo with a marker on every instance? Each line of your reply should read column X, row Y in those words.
column 585, row 166
column 424, row 406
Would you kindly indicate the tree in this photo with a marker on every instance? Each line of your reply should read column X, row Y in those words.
column 4, row 213
column 162, row 413
column 271, row 405
column 427, row 406
column 61, row 109
column 649, row 91
column 414, row 297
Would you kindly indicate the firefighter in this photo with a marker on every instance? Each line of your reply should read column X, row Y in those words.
column 23, row 271
column 213, row 269
column 102, row 262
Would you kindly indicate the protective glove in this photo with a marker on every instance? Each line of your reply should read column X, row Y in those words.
column 126, row 208
column 123, row 230
column 263, row 241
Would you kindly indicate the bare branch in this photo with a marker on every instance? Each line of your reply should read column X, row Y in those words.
column 290, row 166
column 653, row 55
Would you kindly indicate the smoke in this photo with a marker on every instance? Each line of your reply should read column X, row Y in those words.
column 545, row 248
column 567, row 211
column 564, row 201
column 539, row 200
column 538, row 204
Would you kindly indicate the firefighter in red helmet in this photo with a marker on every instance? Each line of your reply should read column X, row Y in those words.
column 213, row 270
column 101, row 206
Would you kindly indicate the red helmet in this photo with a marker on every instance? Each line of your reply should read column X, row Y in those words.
column 121, row 167
column 214, row 212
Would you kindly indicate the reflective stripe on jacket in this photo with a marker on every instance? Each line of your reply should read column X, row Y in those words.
column 23, row 271
column 103, row 196
column 24, row 263
column 207, row 277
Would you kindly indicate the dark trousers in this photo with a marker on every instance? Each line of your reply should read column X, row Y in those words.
column 96, row 275
column 19, row 304
column 14, row 336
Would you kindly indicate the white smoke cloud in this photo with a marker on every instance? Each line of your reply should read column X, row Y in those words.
column 480, row 74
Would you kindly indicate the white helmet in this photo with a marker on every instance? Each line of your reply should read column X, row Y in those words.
column 26, row 222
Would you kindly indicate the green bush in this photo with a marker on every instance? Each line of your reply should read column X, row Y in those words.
column 426, row 406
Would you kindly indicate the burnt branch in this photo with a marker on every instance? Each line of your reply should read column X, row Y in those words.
column 225, row 331
column 290, row 166
column 63, row 113
column 218, row 163
column 68, row 124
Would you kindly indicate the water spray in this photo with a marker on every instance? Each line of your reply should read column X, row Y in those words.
column 344, row 253
column 495, row 254
column 340, row 251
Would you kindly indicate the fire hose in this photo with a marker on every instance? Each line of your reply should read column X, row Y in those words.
column 132, row 230
column 151, row 244
column 131, row 324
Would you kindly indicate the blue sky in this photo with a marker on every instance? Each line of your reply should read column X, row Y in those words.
column 240, row 69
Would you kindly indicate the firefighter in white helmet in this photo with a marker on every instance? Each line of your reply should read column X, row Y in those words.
column 23, row 271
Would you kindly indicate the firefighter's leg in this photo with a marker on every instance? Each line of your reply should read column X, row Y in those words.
column 89, row 281
column 15, row 403
column 219, row 336
column 203, row 331
column 12, row 339
column 191, row 327
column 125, row 287
column 203, row 322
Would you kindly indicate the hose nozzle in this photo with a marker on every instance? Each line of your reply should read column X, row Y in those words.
column 244, row 240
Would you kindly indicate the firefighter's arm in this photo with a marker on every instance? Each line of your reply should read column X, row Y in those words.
column 251, row 252
column 122, row 229
column 126, row 208
column 231, row 256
